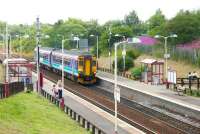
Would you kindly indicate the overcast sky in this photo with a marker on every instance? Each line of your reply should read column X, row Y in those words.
column 49, row 11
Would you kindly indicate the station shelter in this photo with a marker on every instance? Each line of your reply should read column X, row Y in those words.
column 152, row 71
column 19, row 69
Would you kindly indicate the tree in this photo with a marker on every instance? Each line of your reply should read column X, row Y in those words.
column 186, row 25
column 120, row 63
column 156, row 23
column 131, row 19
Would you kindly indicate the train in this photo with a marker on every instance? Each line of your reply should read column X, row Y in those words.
column 79, row 66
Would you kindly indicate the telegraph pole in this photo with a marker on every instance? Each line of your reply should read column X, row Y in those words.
column 38, row 54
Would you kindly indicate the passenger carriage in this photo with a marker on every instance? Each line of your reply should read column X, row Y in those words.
column 78, row 66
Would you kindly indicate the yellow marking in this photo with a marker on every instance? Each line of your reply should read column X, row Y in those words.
column 87, row 67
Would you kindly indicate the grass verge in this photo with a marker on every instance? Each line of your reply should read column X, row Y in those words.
column 31, row 114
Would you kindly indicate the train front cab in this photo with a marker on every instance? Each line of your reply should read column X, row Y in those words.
column 87, row 69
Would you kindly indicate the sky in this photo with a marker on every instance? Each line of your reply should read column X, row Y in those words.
column 49, row 11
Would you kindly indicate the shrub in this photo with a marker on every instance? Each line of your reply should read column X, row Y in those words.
column 136, row 72
column 120, row 63
column 133, row 53
column 93, row 50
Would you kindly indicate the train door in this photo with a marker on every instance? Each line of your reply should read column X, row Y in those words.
column 80, row 64
column 94, row 65
column 87, row 66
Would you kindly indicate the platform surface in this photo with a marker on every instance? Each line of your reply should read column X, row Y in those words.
column 159, row 91
column 93, row 114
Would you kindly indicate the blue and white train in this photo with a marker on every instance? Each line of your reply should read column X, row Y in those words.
column 78, row 66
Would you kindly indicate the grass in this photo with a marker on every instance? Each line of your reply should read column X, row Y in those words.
column 31, row 114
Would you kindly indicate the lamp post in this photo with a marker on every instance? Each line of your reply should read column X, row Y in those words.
column 123, row 51
column 97, row 37
column 38, row 52
column 116, row 88
column 109, row 42
column 77, row 39
column 38, row 37
column 63, row 41
column 166, row 55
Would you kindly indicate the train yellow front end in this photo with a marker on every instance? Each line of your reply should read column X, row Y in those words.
column 87, row 68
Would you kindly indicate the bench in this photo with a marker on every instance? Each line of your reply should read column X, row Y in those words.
column 180, row 90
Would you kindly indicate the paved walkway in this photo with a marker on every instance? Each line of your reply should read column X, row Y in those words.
column 93, row 114
column 154, row 90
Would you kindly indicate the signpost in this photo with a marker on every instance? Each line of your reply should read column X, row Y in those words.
column 166, row 56
column 117, row 94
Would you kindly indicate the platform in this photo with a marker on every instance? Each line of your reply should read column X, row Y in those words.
column 158, row 91
column 95, row 115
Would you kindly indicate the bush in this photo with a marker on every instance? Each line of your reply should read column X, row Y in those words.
column 93, row 50
column 133, row 53
column 136, row 72
column 120, row 63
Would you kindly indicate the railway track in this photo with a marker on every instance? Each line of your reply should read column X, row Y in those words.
column 188, row 128
column 137, row 115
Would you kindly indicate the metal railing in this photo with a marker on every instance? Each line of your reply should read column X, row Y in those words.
column 75, row 116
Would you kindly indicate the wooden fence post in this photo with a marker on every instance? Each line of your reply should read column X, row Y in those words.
column 182, row 82
column 6, row 89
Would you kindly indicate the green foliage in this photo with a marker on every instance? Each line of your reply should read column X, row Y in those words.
column 120, row 63
column 156, row 23
column 131, row 19
column 136, row 72
column 133, row 53
column 94, row 51
column 186, row 25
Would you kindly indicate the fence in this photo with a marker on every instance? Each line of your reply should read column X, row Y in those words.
column 8, row 89
column 191, row 56
column 81, row 120
column 189, row 82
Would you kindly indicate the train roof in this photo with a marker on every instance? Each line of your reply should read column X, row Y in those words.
column 72, row 52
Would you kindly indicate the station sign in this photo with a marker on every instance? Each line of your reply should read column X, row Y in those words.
column 117, row 94
column 124, row 52
column 166, row 56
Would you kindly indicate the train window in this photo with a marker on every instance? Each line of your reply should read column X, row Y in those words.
column 80, row 62
column 67, row 63
column 57, row 59
column 93, row 63
column 76, row 65
column 45, row 57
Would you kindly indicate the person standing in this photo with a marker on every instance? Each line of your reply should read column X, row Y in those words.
column 59, row 85
column 55, row 91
